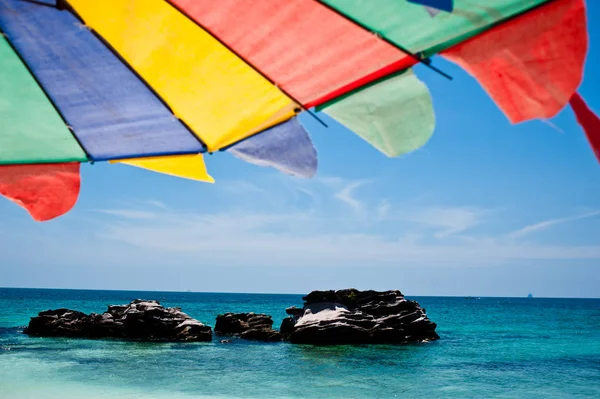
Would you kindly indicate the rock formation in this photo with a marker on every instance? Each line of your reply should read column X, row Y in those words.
column 328, row 317
column 140, row 320
column 251, row 326
column 357, row 317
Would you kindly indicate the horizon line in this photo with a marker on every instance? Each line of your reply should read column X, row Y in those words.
column 283, row 293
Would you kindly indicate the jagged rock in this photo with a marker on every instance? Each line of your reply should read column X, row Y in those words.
column 251, row 326
column 287, row 326
column 140, row 320
column 65, row 323
column 357, row 317
column 294, row 311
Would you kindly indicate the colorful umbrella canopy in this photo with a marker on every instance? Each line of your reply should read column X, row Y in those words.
column 157, row 83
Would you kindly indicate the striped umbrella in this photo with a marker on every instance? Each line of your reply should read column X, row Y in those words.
column 158, row 83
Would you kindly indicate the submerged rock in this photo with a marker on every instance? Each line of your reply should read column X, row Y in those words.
column 357, row 317
column 251, row 326
column 140, row 320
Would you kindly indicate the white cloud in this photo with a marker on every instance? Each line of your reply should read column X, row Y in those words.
column 552, row 125
column 304, row 225
column 257, row 239
column 264, row 248
column 537, row 227
column 128, row 213
column 240, row 187
column 346, row 195
column 332, row 181
column 446, row 221
column 383, row 210
column 157, row 204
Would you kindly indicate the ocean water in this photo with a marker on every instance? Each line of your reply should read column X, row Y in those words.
column 489, row 348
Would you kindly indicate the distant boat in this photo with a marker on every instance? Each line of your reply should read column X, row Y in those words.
column 529, row 296
column 471, row 297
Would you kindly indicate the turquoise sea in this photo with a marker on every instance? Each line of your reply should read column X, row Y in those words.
column 489, row 348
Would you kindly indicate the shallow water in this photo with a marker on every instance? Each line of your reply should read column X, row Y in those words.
column 489, row 347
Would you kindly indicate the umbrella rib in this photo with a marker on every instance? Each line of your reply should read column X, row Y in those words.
column 217, row 38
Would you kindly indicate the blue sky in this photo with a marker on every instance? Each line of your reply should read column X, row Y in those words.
column 485, row 208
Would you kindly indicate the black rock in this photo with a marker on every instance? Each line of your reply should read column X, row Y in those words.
column 357, row 317
column 140, row 320
column 294, row 311
column 287, row 326
column 251, row 326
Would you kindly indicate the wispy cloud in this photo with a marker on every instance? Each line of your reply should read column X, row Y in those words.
column 383, row 210
column 546, row 224
column 240, row 187
column 305, row 225
column 332, row 181
column 346, row 194
column 302, row 238
column 552, row 125
column 250, row 240
column 128, row 213
column 446, row 220
column 157, row 204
